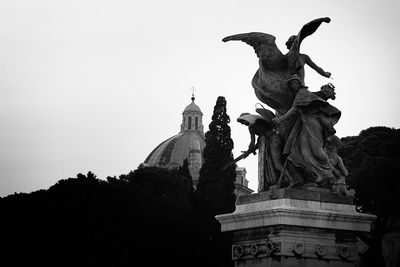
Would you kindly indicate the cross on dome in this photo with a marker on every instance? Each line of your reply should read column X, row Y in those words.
column 193, row 89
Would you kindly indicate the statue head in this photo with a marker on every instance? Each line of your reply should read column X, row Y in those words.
column 294, row 82
column 290, row 41
column 328, row 91
column 243, row 118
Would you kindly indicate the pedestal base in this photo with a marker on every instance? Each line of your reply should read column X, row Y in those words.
column 306, row 231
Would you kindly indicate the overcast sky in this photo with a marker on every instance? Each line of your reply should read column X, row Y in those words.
column 96, row 85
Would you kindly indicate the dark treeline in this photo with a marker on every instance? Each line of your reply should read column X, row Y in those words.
column 373, row 161
column 143, row 217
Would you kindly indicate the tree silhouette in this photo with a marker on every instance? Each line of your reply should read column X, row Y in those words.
column 86, row 221
column 184, row 171
column 373, row 160
column 215, row 192
column 216, row 184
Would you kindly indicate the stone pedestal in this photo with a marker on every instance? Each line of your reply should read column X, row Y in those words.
column 292, row 227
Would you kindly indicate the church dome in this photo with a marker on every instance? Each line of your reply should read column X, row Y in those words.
column 187, row 144
column 173, row 151
column 192, row 107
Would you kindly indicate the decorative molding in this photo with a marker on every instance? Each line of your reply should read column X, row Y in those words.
column 344, row 252
column 255, row 250
column 298, row 248
column 297, row 213
column 321, row 250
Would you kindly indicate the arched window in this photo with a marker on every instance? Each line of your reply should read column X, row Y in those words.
column 196, row 123
column 190, row 123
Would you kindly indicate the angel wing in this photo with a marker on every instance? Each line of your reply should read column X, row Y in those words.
column 305, row 31
column 273, row 68
column 311, row 27
column 264, row 44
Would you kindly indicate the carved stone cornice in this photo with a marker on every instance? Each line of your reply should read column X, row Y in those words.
column 296, row 212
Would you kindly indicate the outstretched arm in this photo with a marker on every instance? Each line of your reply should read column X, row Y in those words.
column 252, row 137
column 252, row 144
column 314, row 66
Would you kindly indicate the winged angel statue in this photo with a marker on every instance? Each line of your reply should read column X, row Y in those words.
column 294, row 142
column 270, row 80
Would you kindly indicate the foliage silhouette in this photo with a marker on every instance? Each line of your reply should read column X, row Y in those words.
column 373, row 160
column 216, row 186
column 87, row 221
column 215, row 192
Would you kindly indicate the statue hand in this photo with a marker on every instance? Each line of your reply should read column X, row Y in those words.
column 327, row 74
column 251, row 148
column 276, row 122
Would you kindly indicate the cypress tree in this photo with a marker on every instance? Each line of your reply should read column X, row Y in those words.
column 216, row 187
column 184, row 169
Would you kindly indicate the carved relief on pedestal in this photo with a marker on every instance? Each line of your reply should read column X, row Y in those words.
column 344, row 252
column 298, row 248
column 255, row 250
column 321, row 250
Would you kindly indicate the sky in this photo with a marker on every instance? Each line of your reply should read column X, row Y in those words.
column 96, row 85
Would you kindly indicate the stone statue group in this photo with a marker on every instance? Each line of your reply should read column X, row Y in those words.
column 297, row 143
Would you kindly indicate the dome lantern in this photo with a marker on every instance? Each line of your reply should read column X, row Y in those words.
column 192, row 118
